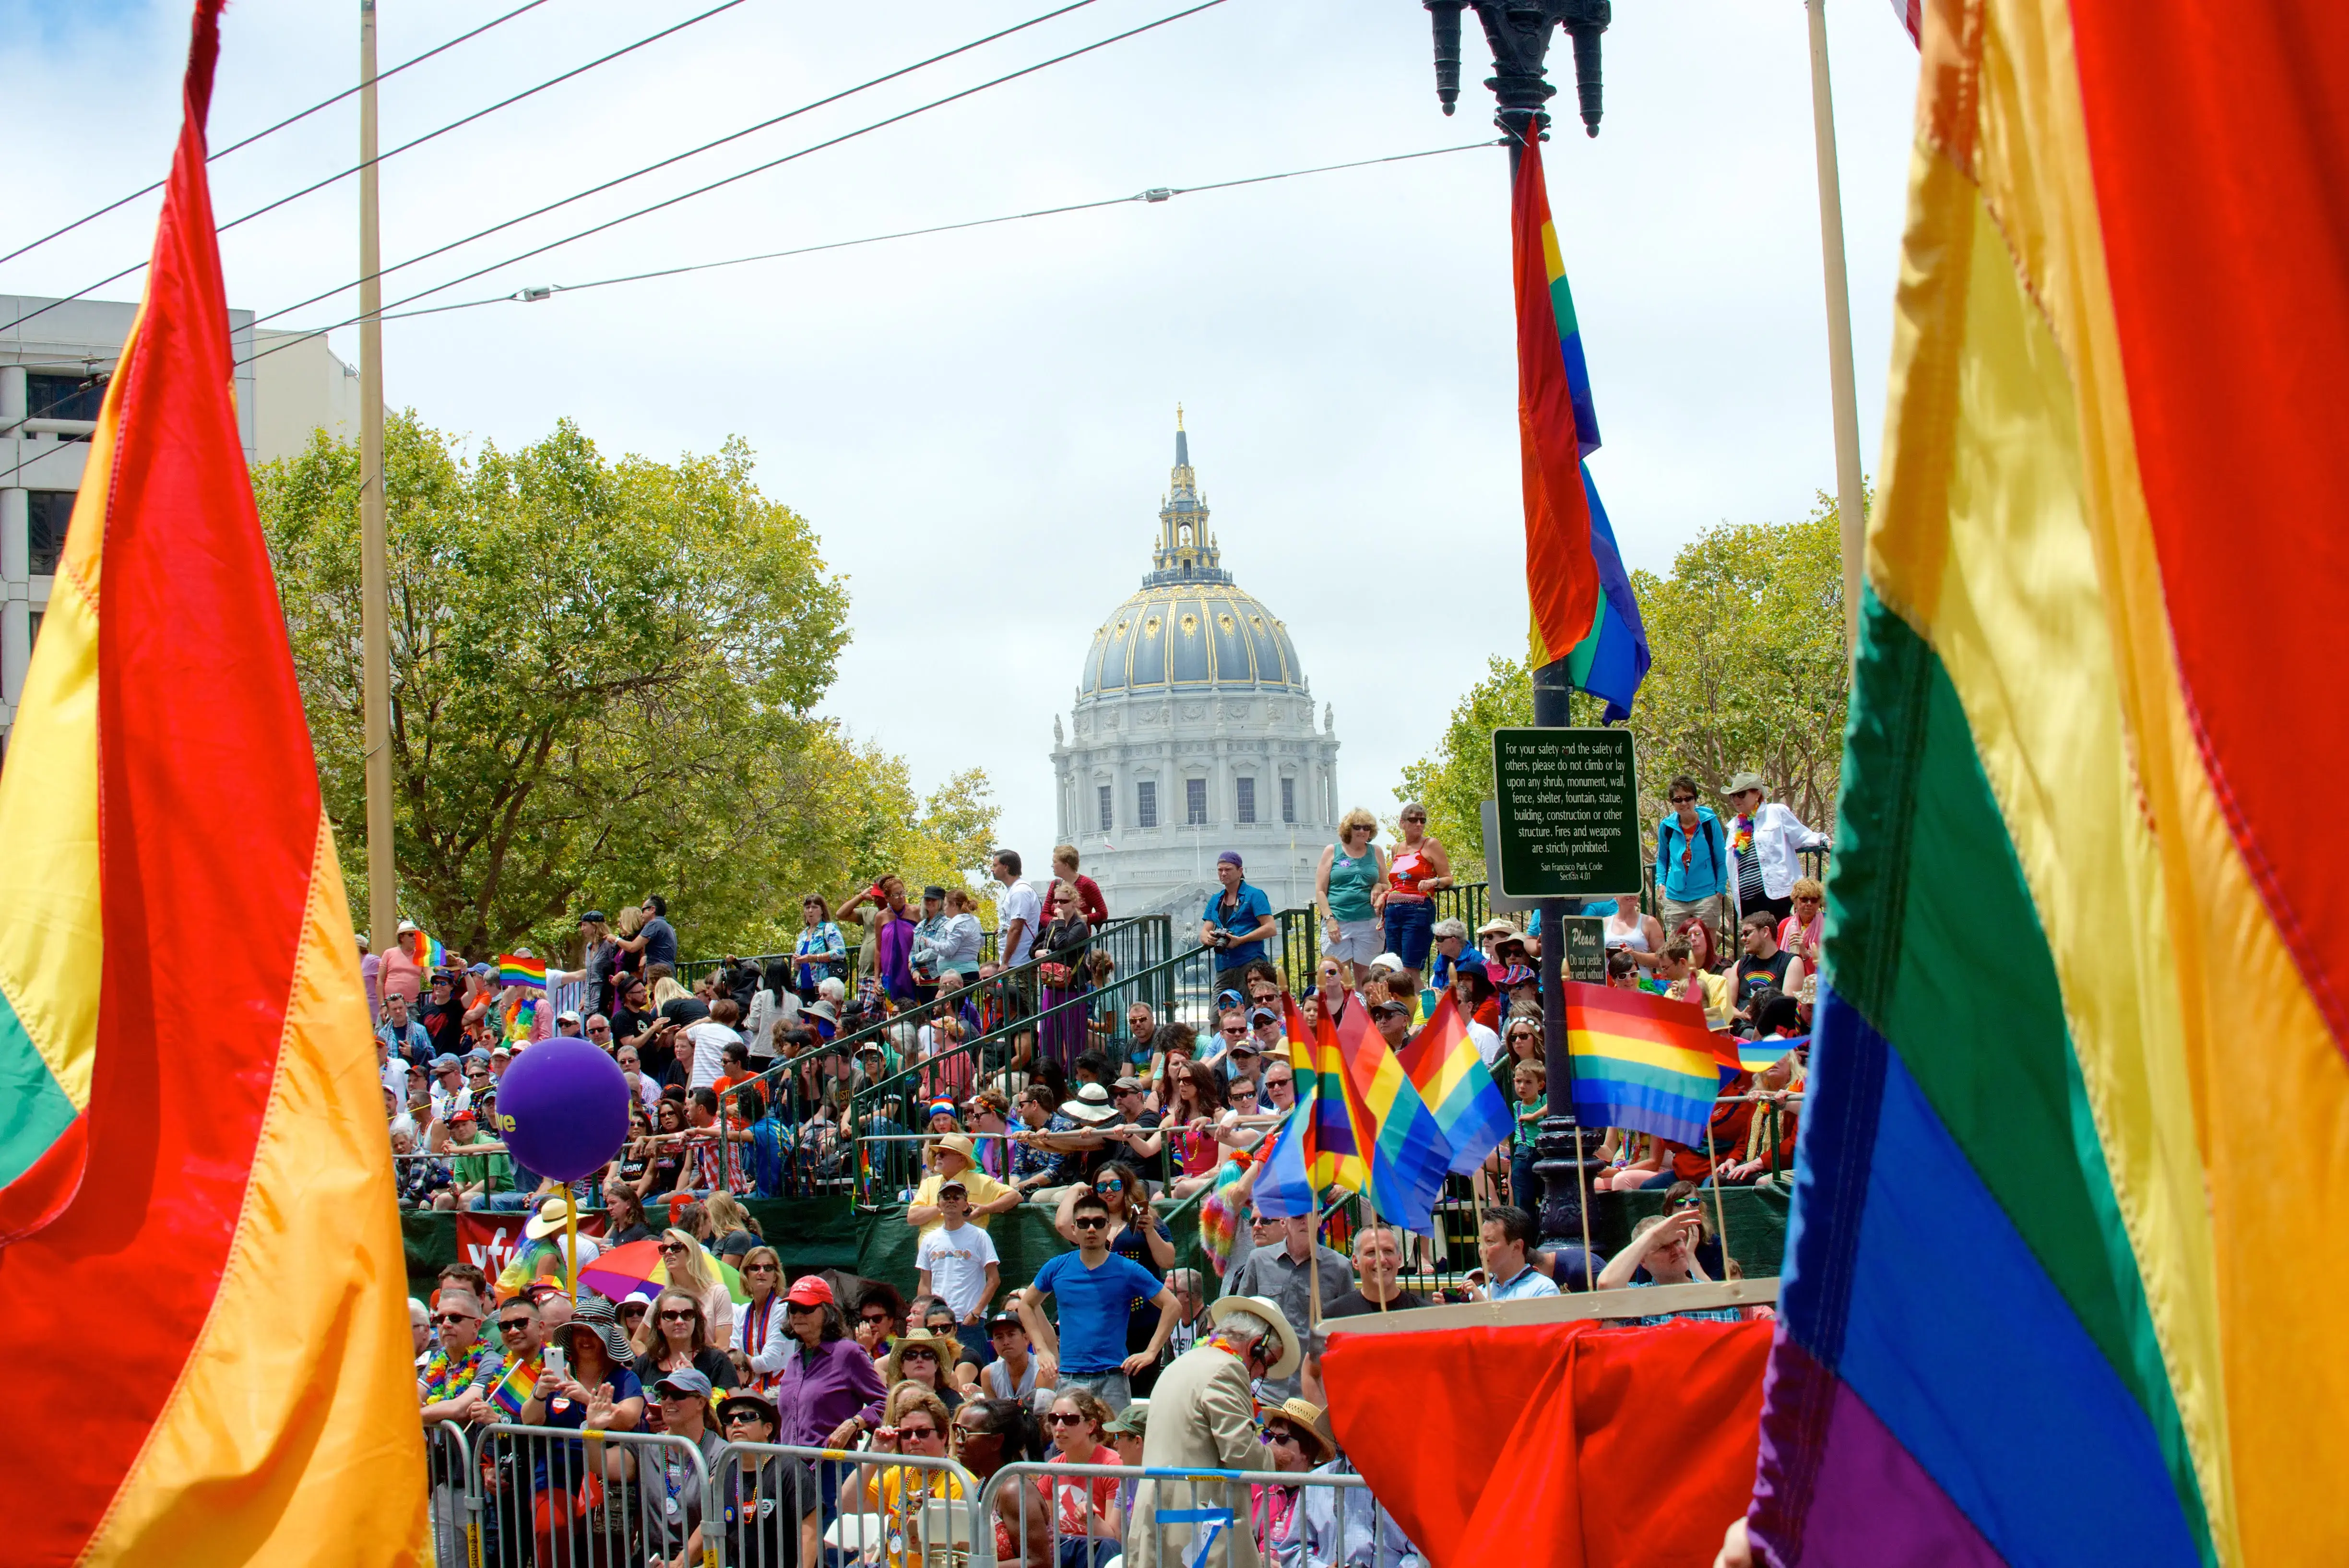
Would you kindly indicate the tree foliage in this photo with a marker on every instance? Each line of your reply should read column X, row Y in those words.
column 603, row 679
column 1749, row 671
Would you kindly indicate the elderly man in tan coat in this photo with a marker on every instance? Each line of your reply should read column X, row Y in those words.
column 1203, row 1416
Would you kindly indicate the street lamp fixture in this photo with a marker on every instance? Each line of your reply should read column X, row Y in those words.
column 1519, row 32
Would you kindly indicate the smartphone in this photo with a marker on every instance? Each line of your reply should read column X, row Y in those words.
column 554, row 1361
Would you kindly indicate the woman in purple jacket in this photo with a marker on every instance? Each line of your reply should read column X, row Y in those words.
column 829, row 1392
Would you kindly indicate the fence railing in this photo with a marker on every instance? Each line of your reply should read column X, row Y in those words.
column 1203, row 1518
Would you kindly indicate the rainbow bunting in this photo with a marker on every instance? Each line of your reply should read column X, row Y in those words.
column 1457, row 1087
column 1761, row 1056
column 2063, row 1278
column 515, row 969
column 1641, row 1062
column 513, row 1391
column 1404, row 1151
column 259, row 1401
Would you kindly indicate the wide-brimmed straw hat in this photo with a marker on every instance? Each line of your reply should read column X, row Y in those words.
column 1264, row 1307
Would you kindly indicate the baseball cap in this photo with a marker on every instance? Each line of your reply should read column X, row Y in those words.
column 1388, row 961
column 686, row 1382
column 1006, row 1320
column 463, row 1113
column 1387, row 1005
column 566, row 1016
column 1129, row 1085
column 810, row 1289
column 1228, row 858
column 590, row 915
column 953, row 1185
column 1134, row 1419
column 500, row 1049
column 480, row 969
column 444, row 1060
column 933, row 891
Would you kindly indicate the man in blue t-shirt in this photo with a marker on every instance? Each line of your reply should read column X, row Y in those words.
column 1236, row 922
column 1096, row 1292
column 658, row 937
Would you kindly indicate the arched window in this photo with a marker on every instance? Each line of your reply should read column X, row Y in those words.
column 1183, row 535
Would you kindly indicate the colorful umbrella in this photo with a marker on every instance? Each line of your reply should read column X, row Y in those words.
column 636, row 1270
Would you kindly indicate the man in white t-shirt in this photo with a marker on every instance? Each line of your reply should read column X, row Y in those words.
column 957, row 1263
column 1016, row 913
column 709, row 1037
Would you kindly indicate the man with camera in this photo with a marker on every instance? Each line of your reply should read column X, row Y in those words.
column 1237, row 922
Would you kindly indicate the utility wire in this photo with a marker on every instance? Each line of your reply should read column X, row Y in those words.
column 272, row 130
column 757, row 169
column 403, row 147
column 678, row 158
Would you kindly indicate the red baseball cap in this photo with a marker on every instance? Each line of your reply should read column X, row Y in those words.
column 810, row 1289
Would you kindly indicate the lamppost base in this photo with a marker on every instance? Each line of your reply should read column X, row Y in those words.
column 1560, row 1164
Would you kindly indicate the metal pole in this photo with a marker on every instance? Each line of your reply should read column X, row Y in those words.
column 1850, row 496
column 375, row 611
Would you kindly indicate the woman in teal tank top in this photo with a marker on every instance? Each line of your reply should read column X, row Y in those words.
column 1351, row 885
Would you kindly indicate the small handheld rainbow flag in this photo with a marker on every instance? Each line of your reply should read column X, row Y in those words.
column 516, row 970
column 429, row 953
column 1761, row 1056
column 1643, row 1061
column 512, row 1392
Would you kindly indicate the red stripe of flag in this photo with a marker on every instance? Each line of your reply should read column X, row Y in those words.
column 1561, row 575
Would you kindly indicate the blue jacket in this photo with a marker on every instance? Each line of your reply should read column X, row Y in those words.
column 1707, row 872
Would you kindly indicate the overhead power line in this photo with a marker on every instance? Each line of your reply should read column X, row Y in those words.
column 403, row 147
column 619, row 180
column 756, row 168
column 273, row 130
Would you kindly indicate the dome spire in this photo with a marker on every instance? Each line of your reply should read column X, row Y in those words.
column 1186, row 552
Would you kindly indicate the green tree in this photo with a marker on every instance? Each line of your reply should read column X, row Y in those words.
column 603, row 677
column 1748, row 671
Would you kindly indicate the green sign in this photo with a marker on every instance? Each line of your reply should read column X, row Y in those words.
column 1569, row 812
column 1586, row 947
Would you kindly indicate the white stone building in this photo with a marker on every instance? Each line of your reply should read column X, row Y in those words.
column 53, row 368
column 1193, row 732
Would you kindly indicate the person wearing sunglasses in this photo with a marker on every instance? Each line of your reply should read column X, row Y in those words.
column 1086, row 1506
column 1692, row 864
column 453, row 1376
column 762, row 1495
column 1293, row 1444
column 916, row 1424
column 675, row 1337
column 671, row 1487
column 1095, row 1287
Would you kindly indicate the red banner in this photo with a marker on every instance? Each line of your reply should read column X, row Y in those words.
column 489, row 1242
column 1568, row 1445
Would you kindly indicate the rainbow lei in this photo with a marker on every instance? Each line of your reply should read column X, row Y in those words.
column 1741, row 838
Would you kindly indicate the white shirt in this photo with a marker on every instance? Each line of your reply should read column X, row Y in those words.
column 1526, row 1284
column 709, row 1043
column 1019, row 903
column 1778, row 833
column 957, row 1260
column 1489, row 1045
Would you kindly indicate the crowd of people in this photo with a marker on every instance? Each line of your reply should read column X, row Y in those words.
column 1101, row 1117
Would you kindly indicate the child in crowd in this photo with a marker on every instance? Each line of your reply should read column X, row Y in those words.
column 1531, row 1082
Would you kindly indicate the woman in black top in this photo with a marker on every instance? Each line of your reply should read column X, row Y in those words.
column 674, row 1337
column 623, row 1212
column 1061, row 966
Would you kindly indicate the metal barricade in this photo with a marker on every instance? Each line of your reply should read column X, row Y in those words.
column 451, row 1496
column 827, row 1508
column 1205, row 1517
column 551, row 1497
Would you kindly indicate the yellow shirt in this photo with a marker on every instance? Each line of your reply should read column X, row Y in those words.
column 899, row 1492
column 976, row 1186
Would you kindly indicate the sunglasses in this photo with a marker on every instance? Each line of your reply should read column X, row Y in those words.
column 1285, row 1438
column 686, row 1316
column 512, row 1325
column 1090, row 1222
column 1058, row 1419
column 756, row 1269
column 634, row 1311
column 796, row 1308
column 875, row 1316
column 735, row 1418
column 930, row 1432
column 919, row 1355
column 449, row 1317
column 676, row 1247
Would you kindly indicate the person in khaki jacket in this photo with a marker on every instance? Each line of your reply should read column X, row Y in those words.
column 1203, row 1416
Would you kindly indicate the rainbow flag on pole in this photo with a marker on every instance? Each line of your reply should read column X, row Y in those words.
column 260, row 1399
column 1584, row 611
column 515, row 969
column 2064, row 1279
column 1643, row 1061
column 429, row 953
column 1404, row 1150
column 1328, row 1140
column 1457, row 1087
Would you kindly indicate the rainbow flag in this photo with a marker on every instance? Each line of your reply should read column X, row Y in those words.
column 1642, row 1062
column 2064, row 1277
column 1328, row 1142
column 1457, row 1087
column 513, row 1391
column 515, row 970
column 1584, row 611
column 1761, row 1056
column 427, row 951
column 1404, row 1152
column 260, row 1400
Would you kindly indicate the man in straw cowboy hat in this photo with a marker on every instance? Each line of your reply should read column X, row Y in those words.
column 1203, row 1417
column 957, row 1160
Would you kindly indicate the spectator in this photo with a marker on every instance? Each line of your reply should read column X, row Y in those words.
column 958, row 1162
column 1803, row 932
column 1292, row 1444
column 715, row 1166
column 419, row 1327
column 1765, row 841
column 1090, row 903
column 1634, row 934
column 1135, row 1234
column 1284, row 1275
column 762, row 1497
column 1125, row 1432
column 1335, row 1528
column 1530, row 1085
column 1663, row 1252
column 1018, row 915
column 1018, row 1370
column 1200, row 1103
column 455, row 1376
column 1135, row 1119
column 407, row 1036
column 522, row 1337
column 1142, row 1043
column 916, row 1422
column 1473, row 993
column 398, row 974
column 1203, row 1417
column 1093, row 1288
column 443, row 1017
column 1393, row 1020
column 370, row 966
column 1351, row 887
column 957, row 1261
column 567, row 1026
column 1236, row 922
column 929, row 1362
column 1279, row 1089
column 657, row 941
column 830, row 1391
column 820, row 953
column 706, row 1041
column 959, row 938
column 1035, row 1163
column 1693, row 860
column 693, row 1270
column 893, row 952
column 1766, row 966
column 1419, row 866
column 483, row 1181
column 1770, row 1139
column 623, row 1212
column 1059, row 951
column 1502, row 1242
column 1450, row 952
column 1378, row 1270
column 1684, row 981
column 672, row 1488
column 727, row 1229
column 880, row 1318
column 1024, row 1513
column 1086, row 1507
column 599, row 1393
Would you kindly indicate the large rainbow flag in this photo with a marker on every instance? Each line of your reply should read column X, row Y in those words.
column 1405, row 1153
column 2064, row 1278
column 1584, row 611
column 1326, row 1141
column 229, row 1186
column 1643, row 1061
column 1457, row 1087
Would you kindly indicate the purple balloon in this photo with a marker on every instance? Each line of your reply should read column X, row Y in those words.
column 563, row 1109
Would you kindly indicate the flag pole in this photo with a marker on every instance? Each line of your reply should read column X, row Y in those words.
column 1851, row 503
column 1720, row 1214
column 375, row 571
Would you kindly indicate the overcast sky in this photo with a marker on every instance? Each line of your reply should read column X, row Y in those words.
column 980, row 425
